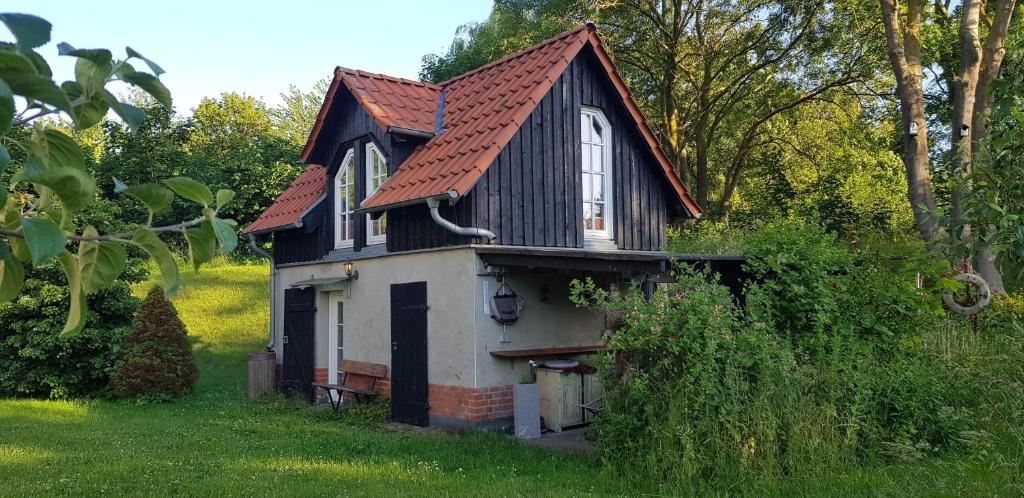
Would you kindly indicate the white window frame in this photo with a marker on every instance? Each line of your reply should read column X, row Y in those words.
column 341, row 216
column 335, row 326
column 606, row 157
column 372, row 149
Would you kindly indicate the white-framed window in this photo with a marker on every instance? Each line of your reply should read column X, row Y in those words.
column 337, row 338
column 597, row 174
column 376, row 173
column 345, row 202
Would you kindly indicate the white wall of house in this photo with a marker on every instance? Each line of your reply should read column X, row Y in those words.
column 554, row 322
column 460, row 334
column 450, row 295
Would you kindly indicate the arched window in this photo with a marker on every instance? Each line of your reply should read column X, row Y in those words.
column 597, row 174
column 345, row 202
column 376, row 173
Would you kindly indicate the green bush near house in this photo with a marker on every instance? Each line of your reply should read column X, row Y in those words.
column 36, row 361
column 838, row 362
column 157, row 362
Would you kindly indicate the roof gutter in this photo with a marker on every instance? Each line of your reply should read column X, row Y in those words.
column 409, row 131
column 434, row 202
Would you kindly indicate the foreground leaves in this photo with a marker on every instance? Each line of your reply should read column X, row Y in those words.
column 158, row 251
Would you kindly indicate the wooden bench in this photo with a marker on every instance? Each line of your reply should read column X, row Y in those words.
column 358, row 378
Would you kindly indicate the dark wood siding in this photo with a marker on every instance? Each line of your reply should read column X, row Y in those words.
column 347, row 125
column 532, row 194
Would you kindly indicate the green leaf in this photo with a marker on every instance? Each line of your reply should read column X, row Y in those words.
column 61, row 149
column 224, row 196
column 92, row 76
column 202, row 244
column 149, row 242
column 36, row 87
column 131, row 115
column 45, row 239
column 157, row 70
column 190, row 189
column 155, row 197
column 12, row 274
column 226, row 235
column 29, row 31
column 39, row 63
column 5, row 159
column 74, row 186
column 151, row 84
column 77, row 310
column 97, row 56
column 13, row 62
column 6, row 109
column 92, row 68
column 101, row 262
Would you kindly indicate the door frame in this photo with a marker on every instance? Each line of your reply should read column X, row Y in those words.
column 333, row 298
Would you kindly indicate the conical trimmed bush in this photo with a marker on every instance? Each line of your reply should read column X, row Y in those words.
column 156, row 362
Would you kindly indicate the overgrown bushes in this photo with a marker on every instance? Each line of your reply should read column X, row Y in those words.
column 36, row 361
column 157, row 360
column 832, row 363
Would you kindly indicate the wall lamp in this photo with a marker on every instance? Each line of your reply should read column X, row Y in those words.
column 354, row 275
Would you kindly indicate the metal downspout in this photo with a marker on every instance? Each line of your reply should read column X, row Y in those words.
column 273, row 288
column 433, row 204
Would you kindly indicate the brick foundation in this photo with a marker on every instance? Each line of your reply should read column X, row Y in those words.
column 472, row 404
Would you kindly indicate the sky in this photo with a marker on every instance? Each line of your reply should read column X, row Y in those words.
column 255, row 47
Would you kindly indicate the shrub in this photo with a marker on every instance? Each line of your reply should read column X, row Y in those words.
column 36, row 361
column 825, row 367
column 157, row 361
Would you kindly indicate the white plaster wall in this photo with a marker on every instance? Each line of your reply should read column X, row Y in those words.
column 556, row 322
column 450, row 321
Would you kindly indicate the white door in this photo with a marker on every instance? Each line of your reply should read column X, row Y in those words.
column 336, row 341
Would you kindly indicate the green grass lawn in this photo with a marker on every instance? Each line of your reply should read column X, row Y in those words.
column 218, row 442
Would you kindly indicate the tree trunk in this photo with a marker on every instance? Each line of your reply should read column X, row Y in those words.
column 905, row 56
column 991, row 62
column 964, row 94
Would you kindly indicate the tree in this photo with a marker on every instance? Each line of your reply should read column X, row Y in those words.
column 234, row 143
column 42, row 202
column 713, row 73
column 513, row 25
column 157, row 357
column 979, row 64
column 295, row 116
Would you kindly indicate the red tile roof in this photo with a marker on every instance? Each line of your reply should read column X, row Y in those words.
column 483, row 109
column 287, row 211
column 390, row 101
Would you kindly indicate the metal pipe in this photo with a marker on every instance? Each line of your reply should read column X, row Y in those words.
column 273, row 288
column 433, row 203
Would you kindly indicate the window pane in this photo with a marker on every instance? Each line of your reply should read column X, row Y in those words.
column 585, row 126
column 587, row 193
column 587, row 216
column 596, row 134
column 598, row 216
column 597, row 158
column 586, row 157
column 598, row 187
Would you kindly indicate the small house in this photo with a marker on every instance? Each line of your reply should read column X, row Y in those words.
column 437, row 228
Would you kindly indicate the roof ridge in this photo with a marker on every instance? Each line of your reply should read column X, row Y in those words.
column 586, row 26
column 396, row 79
